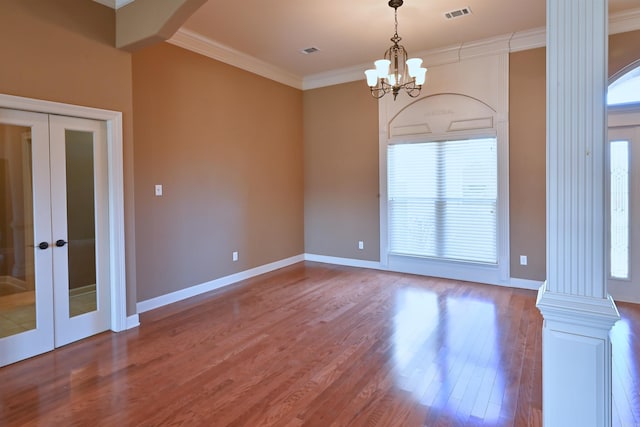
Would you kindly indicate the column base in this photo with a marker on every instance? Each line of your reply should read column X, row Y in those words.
column 576, row 359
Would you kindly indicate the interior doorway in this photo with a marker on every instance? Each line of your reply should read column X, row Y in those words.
column 623, row 210
column 622, row 187
column 61, row 227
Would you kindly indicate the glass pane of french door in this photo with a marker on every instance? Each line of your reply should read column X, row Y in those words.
column 26, row 299
column 80, row 223
column 17, row 280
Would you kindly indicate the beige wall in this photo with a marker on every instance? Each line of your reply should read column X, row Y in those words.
column 624, row 50
column 341, row 204
column 341, row 162
column 231, row 155
column 63, row 51
column 527, row 139
column 227, row 147
column 527, row 160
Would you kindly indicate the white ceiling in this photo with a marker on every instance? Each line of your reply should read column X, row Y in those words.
column 267, row 36
column 352, row 32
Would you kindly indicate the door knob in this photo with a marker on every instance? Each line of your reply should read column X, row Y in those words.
column 43, row 245
column 60, row 243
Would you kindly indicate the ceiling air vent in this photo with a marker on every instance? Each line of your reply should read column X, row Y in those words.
column 308, row 50
column 458, row 13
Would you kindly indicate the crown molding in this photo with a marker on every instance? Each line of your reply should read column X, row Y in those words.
column 530, row 39
column 334, row 77
column 522, row 40
column 447, row 55
column 491, row 46
column 624, row 21
column 114, row 4
column 514, row 42
column 618, row 23
column 196, row 43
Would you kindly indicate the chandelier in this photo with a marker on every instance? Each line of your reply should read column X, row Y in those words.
column 395, row 71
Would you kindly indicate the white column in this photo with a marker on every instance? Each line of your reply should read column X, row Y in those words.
column 578, row 312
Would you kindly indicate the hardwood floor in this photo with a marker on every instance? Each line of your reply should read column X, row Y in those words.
column 314, row 345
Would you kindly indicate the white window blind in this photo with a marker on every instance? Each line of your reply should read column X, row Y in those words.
column 442, row 199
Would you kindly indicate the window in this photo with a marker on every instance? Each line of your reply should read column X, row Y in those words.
column 626, row 89
column 619, row 209
column 442, row 199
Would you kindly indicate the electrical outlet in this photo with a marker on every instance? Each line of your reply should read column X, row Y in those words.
column 234, row 256
column 523, row 260
column 360, row 244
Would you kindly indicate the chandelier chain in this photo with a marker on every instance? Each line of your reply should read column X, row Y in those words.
column 396, row 38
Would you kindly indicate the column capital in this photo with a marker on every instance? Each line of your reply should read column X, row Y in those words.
column 577, row 312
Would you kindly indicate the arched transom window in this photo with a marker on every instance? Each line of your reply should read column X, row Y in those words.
column 626, row 89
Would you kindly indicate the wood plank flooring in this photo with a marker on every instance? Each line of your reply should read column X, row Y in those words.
column 314, row 345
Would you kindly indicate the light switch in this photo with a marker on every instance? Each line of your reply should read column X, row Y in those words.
column 158, row 189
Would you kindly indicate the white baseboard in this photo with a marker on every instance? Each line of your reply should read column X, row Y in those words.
column 192, row 291
column 162, row 300
column 513, row 282
column 133, row 321
column 350, row 262
column 533, row 285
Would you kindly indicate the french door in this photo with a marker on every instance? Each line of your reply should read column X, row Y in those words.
column 54, row 231
column 623, row 211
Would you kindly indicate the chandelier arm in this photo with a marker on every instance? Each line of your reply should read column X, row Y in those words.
column 414, row 92
column 377, row 94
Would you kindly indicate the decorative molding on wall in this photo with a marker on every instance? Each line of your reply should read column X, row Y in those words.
column 192, row 291
column 194, row 42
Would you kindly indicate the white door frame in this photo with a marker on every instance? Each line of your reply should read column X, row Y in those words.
column 624, row 117
column 113, row 121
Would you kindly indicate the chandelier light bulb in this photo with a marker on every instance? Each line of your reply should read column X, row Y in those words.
column 395, row 71
column 414, row 65
column 372, row 77
column 382, row 66
column 421, row 76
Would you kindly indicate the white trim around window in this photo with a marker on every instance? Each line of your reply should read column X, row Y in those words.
column 457, row 114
